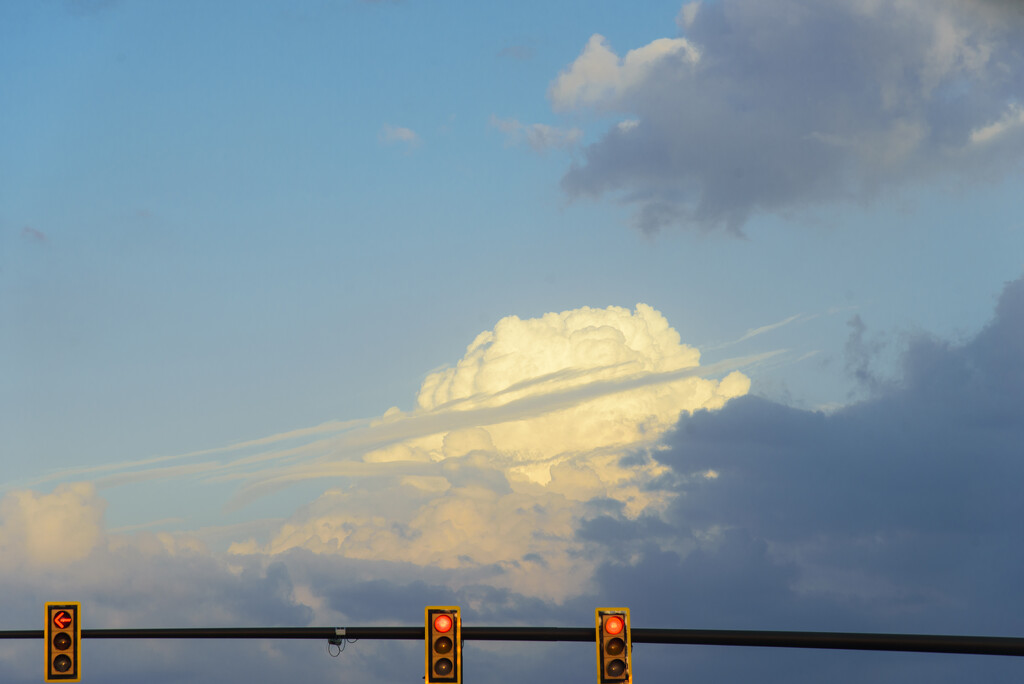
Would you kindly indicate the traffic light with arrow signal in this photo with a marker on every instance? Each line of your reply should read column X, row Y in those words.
column 63, row 635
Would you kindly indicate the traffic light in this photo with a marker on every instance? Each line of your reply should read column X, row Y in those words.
column 613, row 646
column 63, row 635
column 444, row 645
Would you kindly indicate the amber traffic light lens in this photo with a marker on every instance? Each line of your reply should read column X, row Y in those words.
column 613, row 625
column 443, row 667
column 615, row 646
column 443, row 623
column 61, row 641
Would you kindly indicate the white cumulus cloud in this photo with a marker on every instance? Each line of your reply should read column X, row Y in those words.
column 599, row 76
column 504, row 494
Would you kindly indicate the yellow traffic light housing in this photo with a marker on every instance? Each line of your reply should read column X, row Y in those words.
column 443, row 636
column 63, row 635
column 614, row 664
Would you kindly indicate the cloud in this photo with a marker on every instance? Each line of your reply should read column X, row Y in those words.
column 1012, row 121
column 899, row 513
column 360, row 448
column 517, row 52
column 50, row 529
column 498, row 463
column 554, row 406
column 687, row 15
column 774, row 109
column 598, row 75
column 32, row 235
column 398, row 134
column 53, row 547
column 474, row 497
column 896, row 514
column 540, row 137
column 754, row 332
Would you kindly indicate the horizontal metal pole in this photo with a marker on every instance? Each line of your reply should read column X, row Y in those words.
column 923, row 643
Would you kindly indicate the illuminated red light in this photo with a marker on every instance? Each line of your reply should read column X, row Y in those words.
column 62, row 619
column 613, row 625
column 443, row 623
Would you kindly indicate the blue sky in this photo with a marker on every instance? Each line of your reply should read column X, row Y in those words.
column 712, row 310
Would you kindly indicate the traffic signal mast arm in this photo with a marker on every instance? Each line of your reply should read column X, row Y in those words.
column 860, row 641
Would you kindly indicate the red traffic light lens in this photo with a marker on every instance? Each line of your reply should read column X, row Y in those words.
column 613, row 625
column 443, row 623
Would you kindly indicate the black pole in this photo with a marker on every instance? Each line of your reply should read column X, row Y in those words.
column 922, row 643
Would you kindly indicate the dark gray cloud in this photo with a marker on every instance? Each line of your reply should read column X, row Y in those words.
column 897, row 514
column 796, row 103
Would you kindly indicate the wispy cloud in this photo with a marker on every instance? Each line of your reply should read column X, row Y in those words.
column 540, row 137
column 399, row 134
column 32, row 235
column 156, row 463
column 517, row 52
column 754, row 332
column 352, row 439
column 336, row 449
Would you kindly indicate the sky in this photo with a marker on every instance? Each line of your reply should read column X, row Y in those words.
column 317, row 313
